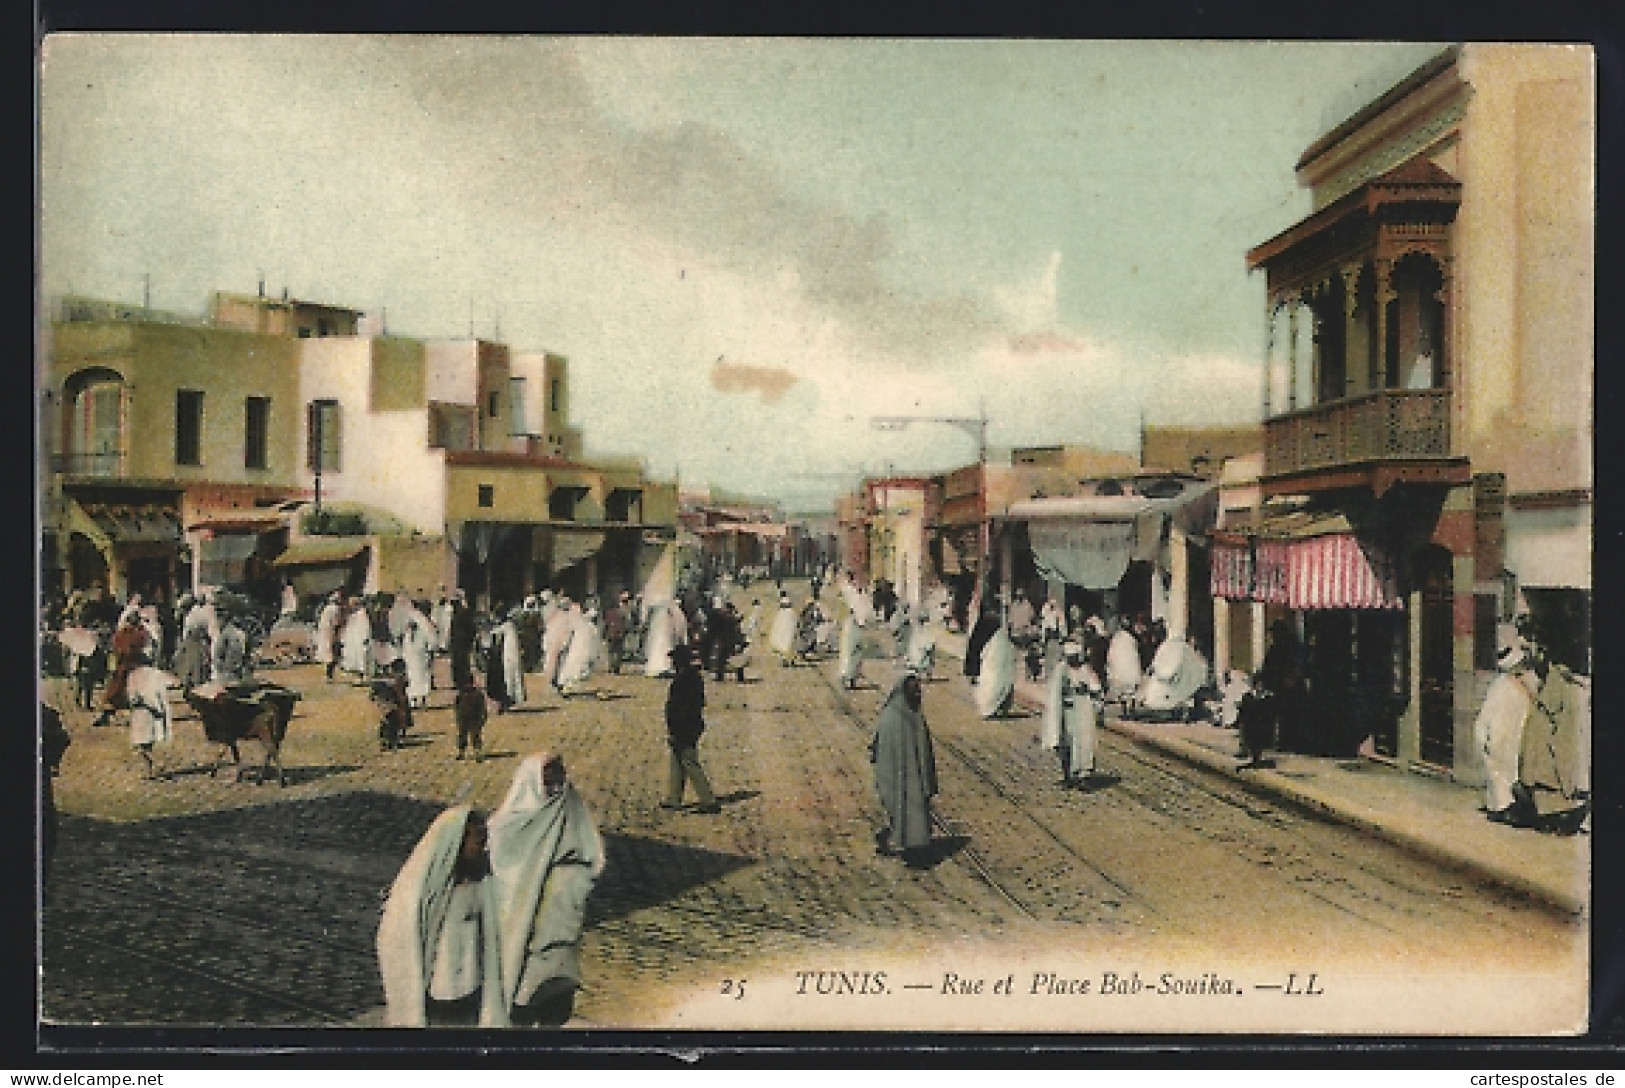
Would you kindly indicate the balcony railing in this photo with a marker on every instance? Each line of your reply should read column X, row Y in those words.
column 88, row 464
column 1392, row 425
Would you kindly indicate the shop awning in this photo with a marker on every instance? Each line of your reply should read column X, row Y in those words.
column 140, row 524
column 1305, row 561
column 1090, row 540
column 318, row 551
column 570, row 548
column 229, row 548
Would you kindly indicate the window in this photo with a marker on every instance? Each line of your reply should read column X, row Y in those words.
column 188, row 427
column 488, row 495
column 553, row 395
column 256, row 432
column 491, row 404
column 322, row 436
column 516, row 406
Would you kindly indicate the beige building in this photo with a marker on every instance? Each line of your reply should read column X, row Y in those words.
column 153, row 424
column 283, row 440
column 1428, row 398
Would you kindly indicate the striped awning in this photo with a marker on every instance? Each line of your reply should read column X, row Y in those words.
column 1231, row 574
column 1332, row 570
column 1336, row 572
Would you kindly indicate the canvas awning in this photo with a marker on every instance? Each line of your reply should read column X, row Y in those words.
column 320, row 551
column 570, row 548
column 120, row 524
column 228, row 548
column 1090, row 540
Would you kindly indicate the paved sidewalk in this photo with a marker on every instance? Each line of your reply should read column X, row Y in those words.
column 1433, row 817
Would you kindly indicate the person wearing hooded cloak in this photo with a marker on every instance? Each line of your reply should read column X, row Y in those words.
column 995, row 685
column 546, row 855
column 439, row 943
column 658, row 643
column 581, row 655
column 1123, row 669
column 850, row 661
column 905, row 772
column 557, row 631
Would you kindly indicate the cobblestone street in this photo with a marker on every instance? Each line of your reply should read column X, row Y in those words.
column 206, row 900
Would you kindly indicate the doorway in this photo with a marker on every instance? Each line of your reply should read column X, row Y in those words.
column 1437, row 682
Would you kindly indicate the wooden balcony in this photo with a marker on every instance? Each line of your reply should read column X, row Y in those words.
column 1376, row 431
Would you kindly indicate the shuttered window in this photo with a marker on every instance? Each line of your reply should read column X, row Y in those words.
column 322, row 434
column 256, row 432
column 188, row 427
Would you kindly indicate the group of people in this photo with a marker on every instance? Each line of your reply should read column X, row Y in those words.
column 134, row 657
column 482, row 925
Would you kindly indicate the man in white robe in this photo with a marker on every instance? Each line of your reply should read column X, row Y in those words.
column 150, row 721
column 1498, row 729
column 513, row 666
column 328, row 623
column 546, row 855
column 995, row 685
column 440, row 617
column 417, row 650
column 356, row 642
column 439, row 939
column 782, row 637
column 658, row 642
column 1072, row 715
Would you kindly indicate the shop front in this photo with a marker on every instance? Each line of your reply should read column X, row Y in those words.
column 1371, row 629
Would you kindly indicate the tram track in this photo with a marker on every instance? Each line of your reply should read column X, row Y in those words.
column 968, row 854
column 1314, row 882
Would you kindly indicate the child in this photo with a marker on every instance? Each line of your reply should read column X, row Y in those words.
column 89, row 670
column 471, row 711
column 397, row 708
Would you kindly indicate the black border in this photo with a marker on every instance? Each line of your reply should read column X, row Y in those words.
column 1595, row 21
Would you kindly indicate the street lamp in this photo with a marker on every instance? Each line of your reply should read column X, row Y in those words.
column 976, row 427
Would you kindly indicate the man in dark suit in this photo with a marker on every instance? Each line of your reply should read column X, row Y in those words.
column 685, row 723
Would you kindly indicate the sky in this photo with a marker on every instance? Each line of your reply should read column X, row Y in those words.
column 747, row 248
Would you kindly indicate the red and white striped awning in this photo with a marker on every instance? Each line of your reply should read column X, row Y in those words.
column 1231, row 572
column 1335, row 572
column 1327, row 570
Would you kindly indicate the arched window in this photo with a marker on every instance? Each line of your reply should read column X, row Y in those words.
column 96, row 403
column 1415, row 347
